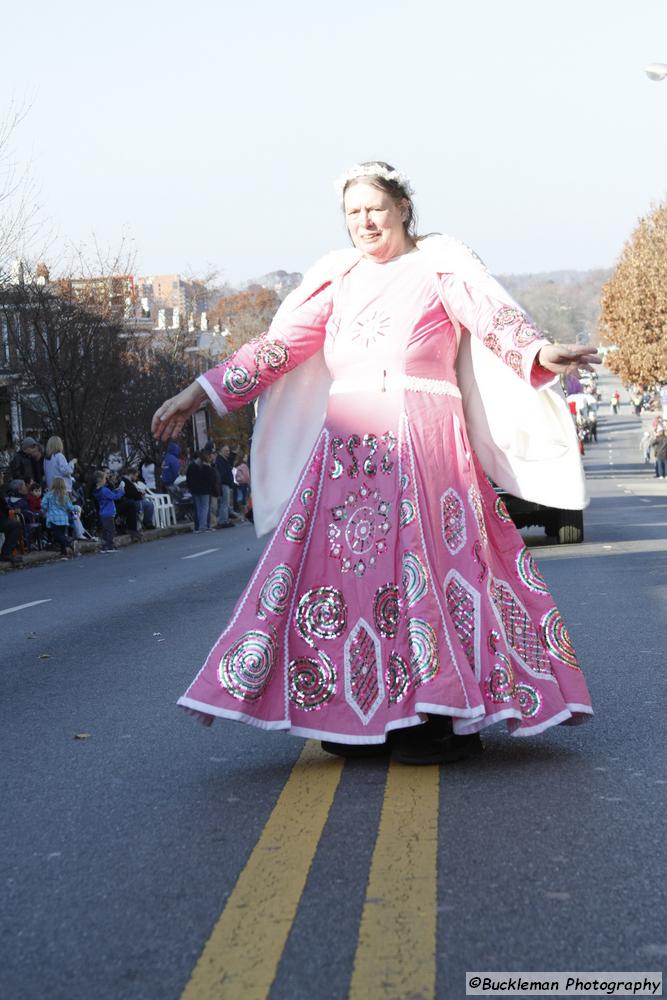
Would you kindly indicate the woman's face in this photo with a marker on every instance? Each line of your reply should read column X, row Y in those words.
column 375, row 222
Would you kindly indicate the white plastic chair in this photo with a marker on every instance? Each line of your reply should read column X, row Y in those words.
column 164, row 512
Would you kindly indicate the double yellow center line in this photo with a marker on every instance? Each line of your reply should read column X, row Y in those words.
column 396, row 949
column 396, row 946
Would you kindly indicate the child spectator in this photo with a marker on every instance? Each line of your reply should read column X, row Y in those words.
column 34, row 498
column 57, row 507
column 106, row 500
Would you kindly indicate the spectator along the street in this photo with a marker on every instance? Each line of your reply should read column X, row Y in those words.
column 134, row 503
column 55, row 464
column 38, row 462
column 660, row 452
column 34, row 498
column 17, row 500
column 171, row 466
column 106, row 499
column 202, row 483
column 646, row 445
column 26, row 462
column 224, row 469
column 58, row 509
column 148, row 473
column 242, row 481
column 10, row 529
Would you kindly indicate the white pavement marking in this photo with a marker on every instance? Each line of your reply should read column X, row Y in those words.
column 646, row 524
column 20, row 607
column 648, row 546
column 204, row 552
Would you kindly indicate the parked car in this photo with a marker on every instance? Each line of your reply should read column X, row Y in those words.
column 567, row 526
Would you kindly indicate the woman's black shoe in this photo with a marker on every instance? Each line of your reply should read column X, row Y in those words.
column 433, row 742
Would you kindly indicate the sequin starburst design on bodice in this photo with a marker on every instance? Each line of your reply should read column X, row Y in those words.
column 371, row 329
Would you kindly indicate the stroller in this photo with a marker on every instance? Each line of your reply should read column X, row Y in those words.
column 181, row 499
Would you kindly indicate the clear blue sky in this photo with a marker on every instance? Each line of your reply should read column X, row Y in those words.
column 213, row 131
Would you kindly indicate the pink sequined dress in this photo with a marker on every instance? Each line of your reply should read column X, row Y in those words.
column 395, row 584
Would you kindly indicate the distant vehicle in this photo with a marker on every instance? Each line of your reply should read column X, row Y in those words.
column 566, row 526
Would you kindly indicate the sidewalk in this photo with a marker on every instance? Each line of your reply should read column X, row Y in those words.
column 88, row 548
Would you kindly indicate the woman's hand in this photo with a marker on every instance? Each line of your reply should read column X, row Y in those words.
column 566, row 359
column 169, row 419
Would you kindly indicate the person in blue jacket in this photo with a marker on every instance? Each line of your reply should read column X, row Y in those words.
column 171, row 465
column 106, row 498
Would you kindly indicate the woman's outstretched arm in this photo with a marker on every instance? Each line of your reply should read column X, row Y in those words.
column 296, row 333
column 480, row 304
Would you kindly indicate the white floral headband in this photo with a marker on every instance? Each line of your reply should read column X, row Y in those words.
column 372, row 170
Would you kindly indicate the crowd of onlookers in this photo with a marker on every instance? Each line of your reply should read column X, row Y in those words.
column 47, row 500
column 647, row 400
column 217, row 480
column 643, row 399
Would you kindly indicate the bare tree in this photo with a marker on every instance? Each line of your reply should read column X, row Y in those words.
column 68, row 344
column 246, row 314
column 19, row 212
column 156, row 368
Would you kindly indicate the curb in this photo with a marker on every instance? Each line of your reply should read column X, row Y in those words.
column 33, row 559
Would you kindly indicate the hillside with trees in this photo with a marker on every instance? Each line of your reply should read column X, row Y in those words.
column 564, row 304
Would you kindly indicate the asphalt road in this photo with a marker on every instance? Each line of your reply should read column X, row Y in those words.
column 121, row 849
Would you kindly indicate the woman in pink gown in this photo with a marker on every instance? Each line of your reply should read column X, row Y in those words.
column 395, row 607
